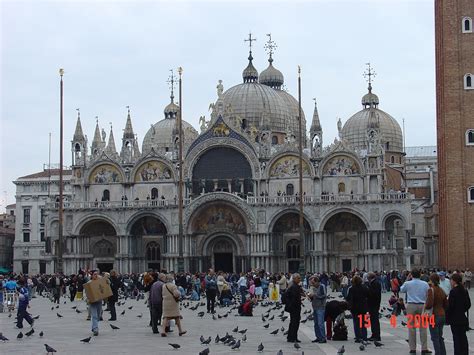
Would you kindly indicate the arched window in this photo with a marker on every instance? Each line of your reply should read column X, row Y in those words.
column 153, row 251
column 274, row 140
column 244, row 123
column 467, row 25
column 77, row 147
column 154, row 193
column 293, row 249
column 392, row 159
column 290, row 189
column 470, row 137
column 106, row 195
column 468, row 82
column 104, row 248
column 470, row 194
column 341, row 188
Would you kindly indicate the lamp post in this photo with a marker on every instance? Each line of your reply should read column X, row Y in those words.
column 180, row 182
column 61, row 211
column 300, row 146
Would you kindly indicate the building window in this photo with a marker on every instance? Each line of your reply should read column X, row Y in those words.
column 341, row 188
column 47, row 246
column 466, row 25
column 42, row 215
column 26, row 215
column 290, row 189
column 42, row 237
column 154, row 193
column 26, row 237
column 24, row 266
column 106, row 195
column 274, row 140
column 414, row 243
column 470, row 137
column 293, row 249
column 468, row 82
column 153, row 251
column 42, row 267
column 470, row 194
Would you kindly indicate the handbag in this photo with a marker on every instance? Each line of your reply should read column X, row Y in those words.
column 172, row 294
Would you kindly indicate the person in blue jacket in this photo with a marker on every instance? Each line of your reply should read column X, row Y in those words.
column 23, row 304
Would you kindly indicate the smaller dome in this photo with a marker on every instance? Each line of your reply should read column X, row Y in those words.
column 171, row 110
column 272, row 77
column 250, row 74
column 370, row 99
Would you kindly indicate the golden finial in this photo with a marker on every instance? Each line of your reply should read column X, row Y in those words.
column 61, row 71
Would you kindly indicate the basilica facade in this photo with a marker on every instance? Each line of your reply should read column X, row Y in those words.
column 241, row 200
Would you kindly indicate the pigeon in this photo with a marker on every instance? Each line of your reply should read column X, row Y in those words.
column 201, row 314
column 123, row 312
column 206, row 341
column 271, row 318
column 297, row 346
column 266, row 325
column 20, row 335
column 275, row 332
column 59, row 316
column 52, row 308
column 362, row 347
column 260, row 348
column 41, row 334
column 114, row 327
column 244, row 338
column 280, row 352
column 206, row 351
column 30, row 333
column 57, row 306
column 341, row 350
column 284, row 318
column 217, row 339
column 64, row 302
column 73, row 307
column 263, row 318
column 214, row 317
column 130, row 308
column 243, row 331
column 49, row 349
column 140, row 315
column 236, row 329
column 10, row 315
column 404, row 324
column 236, row 346
column 378, row 343
column 37, row 317
column 86, row 340
column 282, row 329
column 3, row 338
column 78, row 311
column 175, row 346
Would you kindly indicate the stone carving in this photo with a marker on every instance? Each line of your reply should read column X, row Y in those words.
column 221, row 130
column 340, row 166
column 220, row 89
column 202, row 123
column 218, row 216
column 153, row 171
column 105, row 174
column 288, row 166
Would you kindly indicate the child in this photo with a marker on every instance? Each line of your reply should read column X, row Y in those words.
column 245, row 310
column 398, row 305
column 23, row 304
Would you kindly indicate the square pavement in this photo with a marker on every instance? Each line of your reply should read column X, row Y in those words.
column 135, row 337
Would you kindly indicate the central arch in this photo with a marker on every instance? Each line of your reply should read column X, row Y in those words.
column 222, row 249
column 102, row 243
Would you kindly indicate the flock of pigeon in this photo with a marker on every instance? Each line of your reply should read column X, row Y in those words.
column 233, row 339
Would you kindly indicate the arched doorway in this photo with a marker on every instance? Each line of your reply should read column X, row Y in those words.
column 286, row 241
column 144, row 244
column 345, row 234
column 222, row 252
column 395, row 234
column 102, row 243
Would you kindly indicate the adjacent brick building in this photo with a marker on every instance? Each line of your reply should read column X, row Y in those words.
column 455, row 125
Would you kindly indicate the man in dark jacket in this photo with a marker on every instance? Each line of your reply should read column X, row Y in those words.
column 115, row 285
column 459, row 303
column 156, row 302
column 293, row 306
column 373, row 302
column 211, row 290
column 357, row 298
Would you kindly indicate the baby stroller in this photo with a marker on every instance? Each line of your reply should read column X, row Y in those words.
column 340, row 329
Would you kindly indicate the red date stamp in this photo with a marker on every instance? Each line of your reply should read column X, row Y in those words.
column 414, row 321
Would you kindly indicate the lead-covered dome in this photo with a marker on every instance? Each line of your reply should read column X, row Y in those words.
column 355, row 129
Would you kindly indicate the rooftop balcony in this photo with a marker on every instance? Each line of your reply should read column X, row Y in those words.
column 251, row 200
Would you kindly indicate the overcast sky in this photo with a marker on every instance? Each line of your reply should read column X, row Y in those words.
column 118, row 53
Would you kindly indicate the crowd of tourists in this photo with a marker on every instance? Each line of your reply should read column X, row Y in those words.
column 440, row 295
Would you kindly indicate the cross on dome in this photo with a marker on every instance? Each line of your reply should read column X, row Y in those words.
column 171, row 82
column 270, row 47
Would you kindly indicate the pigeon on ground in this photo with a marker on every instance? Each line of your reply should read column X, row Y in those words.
column 86, row 340
column 217, row 339
column 201, row 338
column 114, row 327
column 30, row 333
column 49, row 349
column 36, row 317
column 362, row 347
column 236, row 329
column 244, row 338
column 275, row 332
column 73, row 307
column 214, row 317
column 41, row 334
column 243, row 331
column 260, row 348
column 123, row 312
column 271, row 318
column 284, row 318
column 20, row 335
column 378, row 343
column 263, row 318
column 57, row 306
column 297, row 346
column 130, row 308
column 140, row 315
column 10, row 315
column 59, row 316
column 201, row 314
column 341, row 350
column 280, row 352
column 52, row 308
column 236, row 346
column 206, row 351
column 3, row 338
column 78, row 311
column 206, row 341
column 404, row 324
column 175, row 346
column 266, row 325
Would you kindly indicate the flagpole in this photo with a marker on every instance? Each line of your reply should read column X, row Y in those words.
column 180, row 182
column 301, row 215
column 61, row 211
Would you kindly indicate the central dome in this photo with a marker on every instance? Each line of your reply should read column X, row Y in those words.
column 256, row 102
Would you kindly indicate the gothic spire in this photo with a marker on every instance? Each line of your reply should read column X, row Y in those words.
column 97, row 141
column 78, row 134
column 128, row 131
column 315, row 124
column 111, row 150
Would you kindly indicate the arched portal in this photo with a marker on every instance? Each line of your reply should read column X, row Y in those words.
column 222, row 251
column 100, row 238
column 222, row 169
column 286, row 240
column 345, row 239
column 146, row 237
column 395, row 234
